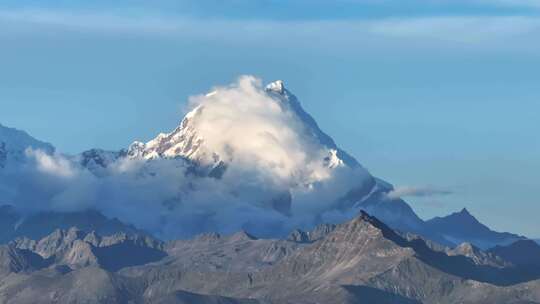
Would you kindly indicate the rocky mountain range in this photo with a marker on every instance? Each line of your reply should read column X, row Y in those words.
column 246, row 201
column 360, row 261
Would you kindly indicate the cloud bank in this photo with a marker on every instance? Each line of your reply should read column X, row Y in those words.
column 279, row 176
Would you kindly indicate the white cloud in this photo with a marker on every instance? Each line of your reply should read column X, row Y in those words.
column 55, row 165
column 255, row 131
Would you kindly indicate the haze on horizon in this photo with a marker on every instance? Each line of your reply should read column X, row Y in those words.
column 433, row 94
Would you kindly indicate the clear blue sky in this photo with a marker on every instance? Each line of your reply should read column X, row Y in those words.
column 441, row 93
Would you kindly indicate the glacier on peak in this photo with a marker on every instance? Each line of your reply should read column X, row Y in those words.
column 277, row 86
column 248, row 125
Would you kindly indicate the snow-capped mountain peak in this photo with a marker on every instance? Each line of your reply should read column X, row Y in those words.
column 244, row 123
column 246, row 156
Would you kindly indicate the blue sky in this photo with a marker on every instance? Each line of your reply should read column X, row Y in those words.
column 423, row 93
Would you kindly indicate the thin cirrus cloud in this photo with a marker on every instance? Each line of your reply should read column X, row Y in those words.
column 513, row 3
column 473, row 30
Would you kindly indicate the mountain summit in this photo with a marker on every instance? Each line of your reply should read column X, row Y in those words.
column 249, row 119
column 462, row 227
column 14, row 143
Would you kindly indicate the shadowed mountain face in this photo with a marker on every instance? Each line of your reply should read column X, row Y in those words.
column 524, row 253
column 13, row 260
column 360, row 261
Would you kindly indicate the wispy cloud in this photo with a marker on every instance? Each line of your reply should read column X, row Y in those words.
column 96, row 21
column 410, row 191
column 55, row 165
column 464, row 29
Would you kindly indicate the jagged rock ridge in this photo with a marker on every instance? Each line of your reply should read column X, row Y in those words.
column 40, row 224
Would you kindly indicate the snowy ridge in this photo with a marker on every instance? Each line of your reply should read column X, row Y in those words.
column 13, row 144
column 277, row 88
column 181, row 142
